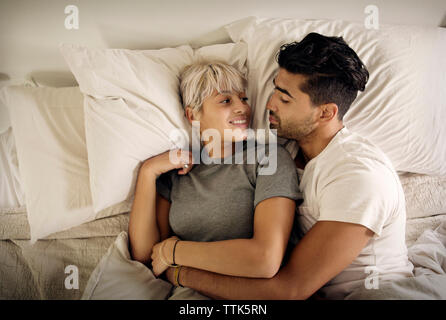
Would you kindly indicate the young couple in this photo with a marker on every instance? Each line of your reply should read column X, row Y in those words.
column 223, row 229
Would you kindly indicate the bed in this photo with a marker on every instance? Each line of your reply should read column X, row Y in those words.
column 68, row 175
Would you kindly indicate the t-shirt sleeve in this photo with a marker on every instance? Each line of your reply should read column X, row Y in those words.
column 276, row 178
column 359, row 194
column 164, row 185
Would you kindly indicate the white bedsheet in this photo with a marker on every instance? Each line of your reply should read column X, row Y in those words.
column 428, row 255
column 11, row 192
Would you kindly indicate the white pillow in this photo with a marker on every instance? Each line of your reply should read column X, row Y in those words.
column 402, row 110
column 12, row 197
column 132, row 105
column 48, row 126
column 118, row 277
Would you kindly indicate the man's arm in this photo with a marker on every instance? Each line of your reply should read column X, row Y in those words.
column 257, row 257
column 327, row 249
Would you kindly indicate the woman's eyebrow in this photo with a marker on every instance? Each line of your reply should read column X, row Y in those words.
column 281, row 89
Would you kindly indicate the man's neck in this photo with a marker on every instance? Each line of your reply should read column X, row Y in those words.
column 310, row 148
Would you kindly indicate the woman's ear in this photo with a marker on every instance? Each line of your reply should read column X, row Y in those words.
column 190, row 114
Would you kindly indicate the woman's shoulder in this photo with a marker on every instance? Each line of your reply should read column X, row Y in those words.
column 273, row 159
column 266, row 151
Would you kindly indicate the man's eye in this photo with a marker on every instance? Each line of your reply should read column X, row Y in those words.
column 284, row 101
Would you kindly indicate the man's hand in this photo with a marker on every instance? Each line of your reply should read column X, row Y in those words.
column 170, row 274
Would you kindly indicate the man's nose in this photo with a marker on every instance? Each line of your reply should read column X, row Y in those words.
column 270, row 105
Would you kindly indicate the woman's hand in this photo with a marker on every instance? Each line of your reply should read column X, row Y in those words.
column 162, row 255
column 169, row 160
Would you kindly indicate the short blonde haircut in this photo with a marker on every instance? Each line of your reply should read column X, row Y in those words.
column 199, row 80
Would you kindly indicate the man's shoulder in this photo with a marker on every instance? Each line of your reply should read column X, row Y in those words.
column 352, row 149
column 354, row 160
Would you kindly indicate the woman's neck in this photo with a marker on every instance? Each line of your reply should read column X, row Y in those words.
column 227, row 149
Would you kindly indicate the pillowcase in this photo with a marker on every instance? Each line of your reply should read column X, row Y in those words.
column 132, row 107
column 118, row 277
column 48, row 126
column 402, row 110
column 12, row 197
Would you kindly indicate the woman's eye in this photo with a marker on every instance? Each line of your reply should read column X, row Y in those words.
column 244, row 99
column 226, row 101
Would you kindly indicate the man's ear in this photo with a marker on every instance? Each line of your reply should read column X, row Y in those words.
column 328, row 112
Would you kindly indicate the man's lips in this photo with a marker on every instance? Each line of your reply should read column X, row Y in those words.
column 273, row 120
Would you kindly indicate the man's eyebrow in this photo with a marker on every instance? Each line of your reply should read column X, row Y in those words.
column 281, row 89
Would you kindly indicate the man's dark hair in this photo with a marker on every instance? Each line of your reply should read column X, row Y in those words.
column 334, row 73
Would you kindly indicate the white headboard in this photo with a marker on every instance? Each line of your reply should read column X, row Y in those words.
column 30, row 31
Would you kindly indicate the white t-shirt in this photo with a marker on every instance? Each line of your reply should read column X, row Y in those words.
column 353, row 181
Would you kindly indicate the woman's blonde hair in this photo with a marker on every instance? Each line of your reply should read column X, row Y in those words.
column 199, row 80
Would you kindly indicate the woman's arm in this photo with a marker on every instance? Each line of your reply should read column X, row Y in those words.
column 143, row 228
column 146, row 226
column 162, row 217
column 258, row 257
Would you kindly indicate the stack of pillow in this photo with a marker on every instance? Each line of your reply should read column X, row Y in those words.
column 79, row 148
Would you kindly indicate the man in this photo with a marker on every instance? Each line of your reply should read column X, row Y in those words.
column 353, row 215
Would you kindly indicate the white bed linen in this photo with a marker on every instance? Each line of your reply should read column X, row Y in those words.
column 37, row 272
column 403, row 108
column 49, row 135
column 428, row 255
column 12, row 197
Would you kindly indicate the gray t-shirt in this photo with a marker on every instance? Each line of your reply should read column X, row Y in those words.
column 217, row 201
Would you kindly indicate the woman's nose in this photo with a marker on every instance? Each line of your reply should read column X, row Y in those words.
column 241, row 107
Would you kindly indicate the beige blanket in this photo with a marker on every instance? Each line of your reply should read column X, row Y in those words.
column 40, row 271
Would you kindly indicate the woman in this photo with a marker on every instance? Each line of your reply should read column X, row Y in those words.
column 230, row 219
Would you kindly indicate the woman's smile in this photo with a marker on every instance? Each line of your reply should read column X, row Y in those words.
column 240, row 122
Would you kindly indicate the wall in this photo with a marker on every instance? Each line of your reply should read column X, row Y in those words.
column 30, row 30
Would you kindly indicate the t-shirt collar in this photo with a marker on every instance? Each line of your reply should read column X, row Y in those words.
column 336, row 137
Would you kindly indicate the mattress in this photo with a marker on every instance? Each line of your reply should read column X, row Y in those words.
column 46, row 269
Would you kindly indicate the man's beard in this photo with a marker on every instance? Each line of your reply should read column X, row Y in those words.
column 299, row 131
